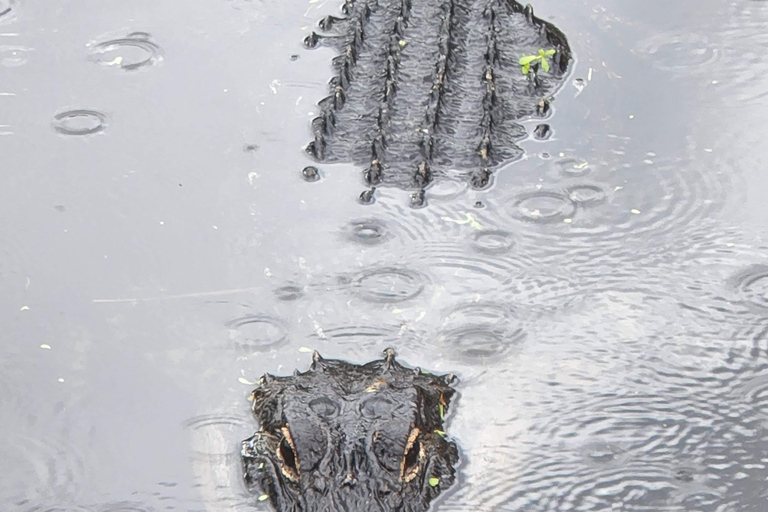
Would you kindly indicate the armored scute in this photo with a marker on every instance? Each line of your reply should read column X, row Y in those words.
column 430, row 89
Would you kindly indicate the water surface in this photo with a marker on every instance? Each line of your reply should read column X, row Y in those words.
column 604, row 303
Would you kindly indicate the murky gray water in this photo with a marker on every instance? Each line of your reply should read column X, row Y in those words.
column 606, row 308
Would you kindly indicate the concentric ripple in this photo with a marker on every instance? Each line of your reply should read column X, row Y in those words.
column 755, row 394
column 42, row 465
column 752, row 285
column 493, row 241
column 59, row 508
column 389, row 285
column 124, row 506
column 644, row 451
column 479, row 332
column 355, row 333
column 218, row 434
column 13, row 56
column 586, row 194
column 572, row 167
column 357, row 341
column 367, row 231
column 79, row 122
column 666, row 200
column 256, row 333
column 678, row 51
column 543, row 207
column 129, row 53
column 743, row 39
column 755, row 333
column 447, row 189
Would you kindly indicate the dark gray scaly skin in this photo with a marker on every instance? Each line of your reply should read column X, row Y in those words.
column 351, row 438
column 424, row 89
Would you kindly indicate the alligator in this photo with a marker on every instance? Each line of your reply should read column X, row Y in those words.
column 424, row 89
column 354, row 438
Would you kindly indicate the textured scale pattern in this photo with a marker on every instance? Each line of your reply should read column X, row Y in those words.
column 423, row 89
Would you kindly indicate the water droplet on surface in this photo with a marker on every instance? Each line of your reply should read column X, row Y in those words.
column 543, row 207
column 310, row 173
column 79, row 122
column 128, row 53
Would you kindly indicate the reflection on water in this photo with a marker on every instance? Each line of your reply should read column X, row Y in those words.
column 604, row 301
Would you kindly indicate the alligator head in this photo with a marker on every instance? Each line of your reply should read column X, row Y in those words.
column 347, row 437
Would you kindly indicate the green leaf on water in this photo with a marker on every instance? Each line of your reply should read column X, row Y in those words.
column 305, row 350
column 263, row 497
column 433, row 481
column 440, row 433
column 527, row 59
column 526, row 68
column 549, row 53
column 545, row 65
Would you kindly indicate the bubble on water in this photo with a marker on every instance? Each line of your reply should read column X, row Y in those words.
column 310, row 173
column 80, row 122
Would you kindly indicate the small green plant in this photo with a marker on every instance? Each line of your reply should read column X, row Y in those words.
column 527, row 60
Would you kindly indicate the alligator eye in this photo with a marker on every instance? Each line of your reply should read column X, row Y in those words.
column 414, row 454
column 286, row 452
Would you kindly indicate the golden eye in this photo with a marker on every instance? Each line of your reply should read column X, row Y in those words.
column 414, row 454
column 286, row 453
